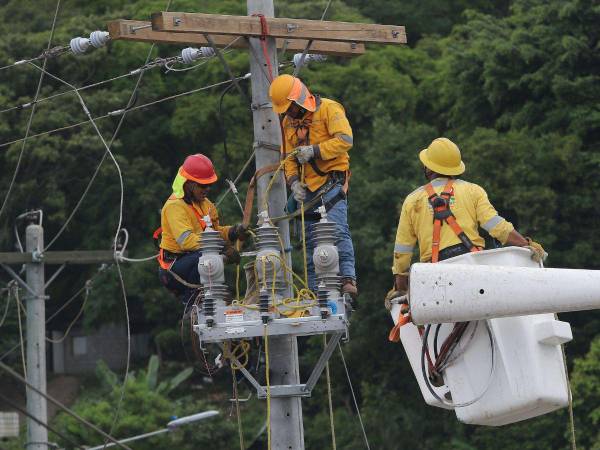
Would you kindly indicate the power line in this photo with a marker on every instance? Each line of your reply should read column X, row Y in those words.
column 121, row 112
column 37, row 93
column 44, row 424
column 362, row 426
column 48, row 53
column 67, row 410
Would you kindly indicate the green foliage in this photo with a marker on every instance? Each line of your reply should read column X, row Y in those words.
column 515, row 84
column 147, row 406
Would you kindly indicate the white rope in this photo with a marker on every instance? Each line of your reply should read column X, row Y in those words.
column 362, row 426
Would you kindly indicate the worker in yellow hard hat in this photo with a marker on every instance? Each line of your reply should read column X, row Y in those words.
column 444, row 216
column 318, row 135
column 184, row 217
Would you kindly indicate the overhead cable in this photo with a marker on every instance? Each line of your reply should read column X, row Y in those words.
column 300, row 62
column 37, row 93
column 121, row 112
column 362, row 425
column 26, row 413
column 64, row 408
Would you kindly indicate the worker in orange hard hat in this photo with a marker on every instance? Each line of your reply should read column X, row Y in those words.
column 444, row 216
column 317, row 138
column 182, row 223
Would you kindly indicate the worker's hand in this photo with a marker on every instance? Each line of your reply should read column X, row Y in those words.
column 231, row 255
column 305, row 153
column 538, row 254
column 392, row 295
column 401, row 282
column 239, row 231
column 299, row 191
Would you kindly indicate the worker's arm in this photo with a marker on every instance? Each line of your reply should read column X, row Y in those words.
column 515, row 238
column 488, row 218
column 290, row 166
column 403, row 248
column 338, row 127
column 181, row 227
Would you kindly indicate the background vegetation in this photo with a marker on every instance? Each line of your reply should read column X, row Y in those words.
column 515, row 83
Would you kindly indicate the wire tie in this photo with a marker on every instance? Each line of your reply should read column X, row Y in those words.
column 16, row 63
column 117, row 112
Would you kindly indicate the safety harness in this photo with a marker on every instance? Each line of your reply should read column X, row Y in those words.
column 441, row 213
column 165, row 260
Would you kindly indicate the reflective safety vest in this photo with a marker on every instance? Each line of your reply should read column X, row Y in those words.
column 162, row 261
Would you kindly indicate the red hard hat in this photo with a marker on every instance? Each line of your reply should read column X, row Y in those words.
column 198, row 168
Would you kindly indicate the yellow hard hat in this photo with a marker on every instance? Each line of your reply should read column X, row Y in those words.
column 443, row 157
column 286, row 89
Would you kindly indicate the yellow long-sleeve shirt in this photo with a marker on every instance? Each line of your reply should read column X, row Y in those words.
column 329, row 132
column 181, row 229
column 469, row 204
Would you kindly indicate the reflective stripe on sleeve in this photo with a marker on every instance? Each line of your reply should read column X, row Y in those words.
column 346, row 138
column 183, row 236
column 490, row 224
column 399, row 248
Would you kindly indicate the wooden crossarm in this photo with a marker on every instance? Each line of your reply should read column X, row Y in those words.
column 137, row 30
column 180, row 22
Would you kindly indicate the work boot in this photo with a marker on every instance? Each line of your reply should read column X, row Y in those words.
column 349, row 287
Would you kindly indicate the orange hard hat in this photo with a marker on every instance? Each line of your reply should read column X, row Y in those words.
column 198, row 168
column 286, row 89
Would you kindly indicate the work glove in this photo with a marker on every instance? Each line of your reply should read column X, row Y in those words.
column 238, row 231
column 305, row 153
column 538, row 254
column 394, row 294
column 231, row 255
column 299, row 191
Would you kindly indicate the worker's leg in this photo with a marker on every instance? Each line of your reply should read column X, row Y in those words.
column 339, row 214
column 186, row 267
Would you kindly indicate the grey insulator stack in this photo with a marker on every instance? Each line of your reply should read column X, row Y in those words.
column 97, row 39
column 322, row 299
column 212, row 271
column 326, row 256
column 269, row 267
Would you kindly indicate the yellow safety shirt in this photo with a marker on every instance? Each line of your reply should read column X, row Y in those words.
column 329, row 131
column 182, row 227
column 471, row 208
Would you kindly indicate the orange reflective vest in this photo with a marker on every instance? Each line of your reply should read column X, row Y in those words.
column 161, row 259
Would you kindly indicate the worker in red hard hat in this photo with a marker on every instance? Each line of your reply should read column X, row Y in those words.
column 182, row 224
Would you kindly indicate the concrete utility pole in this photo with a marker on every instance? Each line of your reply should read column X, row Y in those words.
column 35, row 260
column 287, row 431
column 37, row 435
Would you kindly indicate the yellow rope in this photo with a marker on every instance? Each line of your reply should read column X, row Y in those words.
column 266, row 338
column 237, row 273
column 303, row 232
column 237, row 409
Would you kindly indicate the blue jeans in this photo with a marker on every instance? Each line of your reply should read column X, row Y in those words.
column 339, row 215
column 186, row 266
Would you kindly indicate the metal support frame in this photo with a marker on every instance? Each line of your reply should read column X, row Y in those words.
column 226, row 66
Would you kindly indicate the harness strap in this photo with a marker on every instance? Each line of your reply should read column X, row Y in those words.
column 252, row 190
column 441, row 212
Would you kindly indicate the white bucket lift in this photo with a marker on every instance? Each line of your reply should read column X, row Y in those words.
column 506, row 369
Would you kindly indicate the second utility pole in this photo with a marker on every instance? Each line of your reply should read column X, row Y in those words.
column 287, row 431
column 37, row 435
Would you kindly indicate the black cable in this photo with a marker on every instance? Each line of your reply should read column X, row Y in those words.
column 224, row 130
column 435, row 340
column 38, row 421
column 70, row 412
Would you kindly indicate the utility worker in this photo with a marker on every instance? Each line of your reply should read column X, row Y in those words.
column 318, row 134
column 460, row 208
column 182, row 224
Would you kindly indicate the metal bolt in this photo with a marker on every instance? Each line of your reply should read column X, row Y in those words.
column 291, row 27
column 177, row 21
column 395, row 33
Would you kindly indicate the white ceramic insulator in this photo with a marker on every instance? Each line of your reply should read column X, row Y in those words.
column 308, row 58
column 211, row 269
column 191, row 54
column 99, row 38
column 79, row 45
column 326, row 259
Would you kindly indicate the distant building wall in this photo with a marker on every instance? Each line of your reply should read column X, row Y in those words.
column 80, row 352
